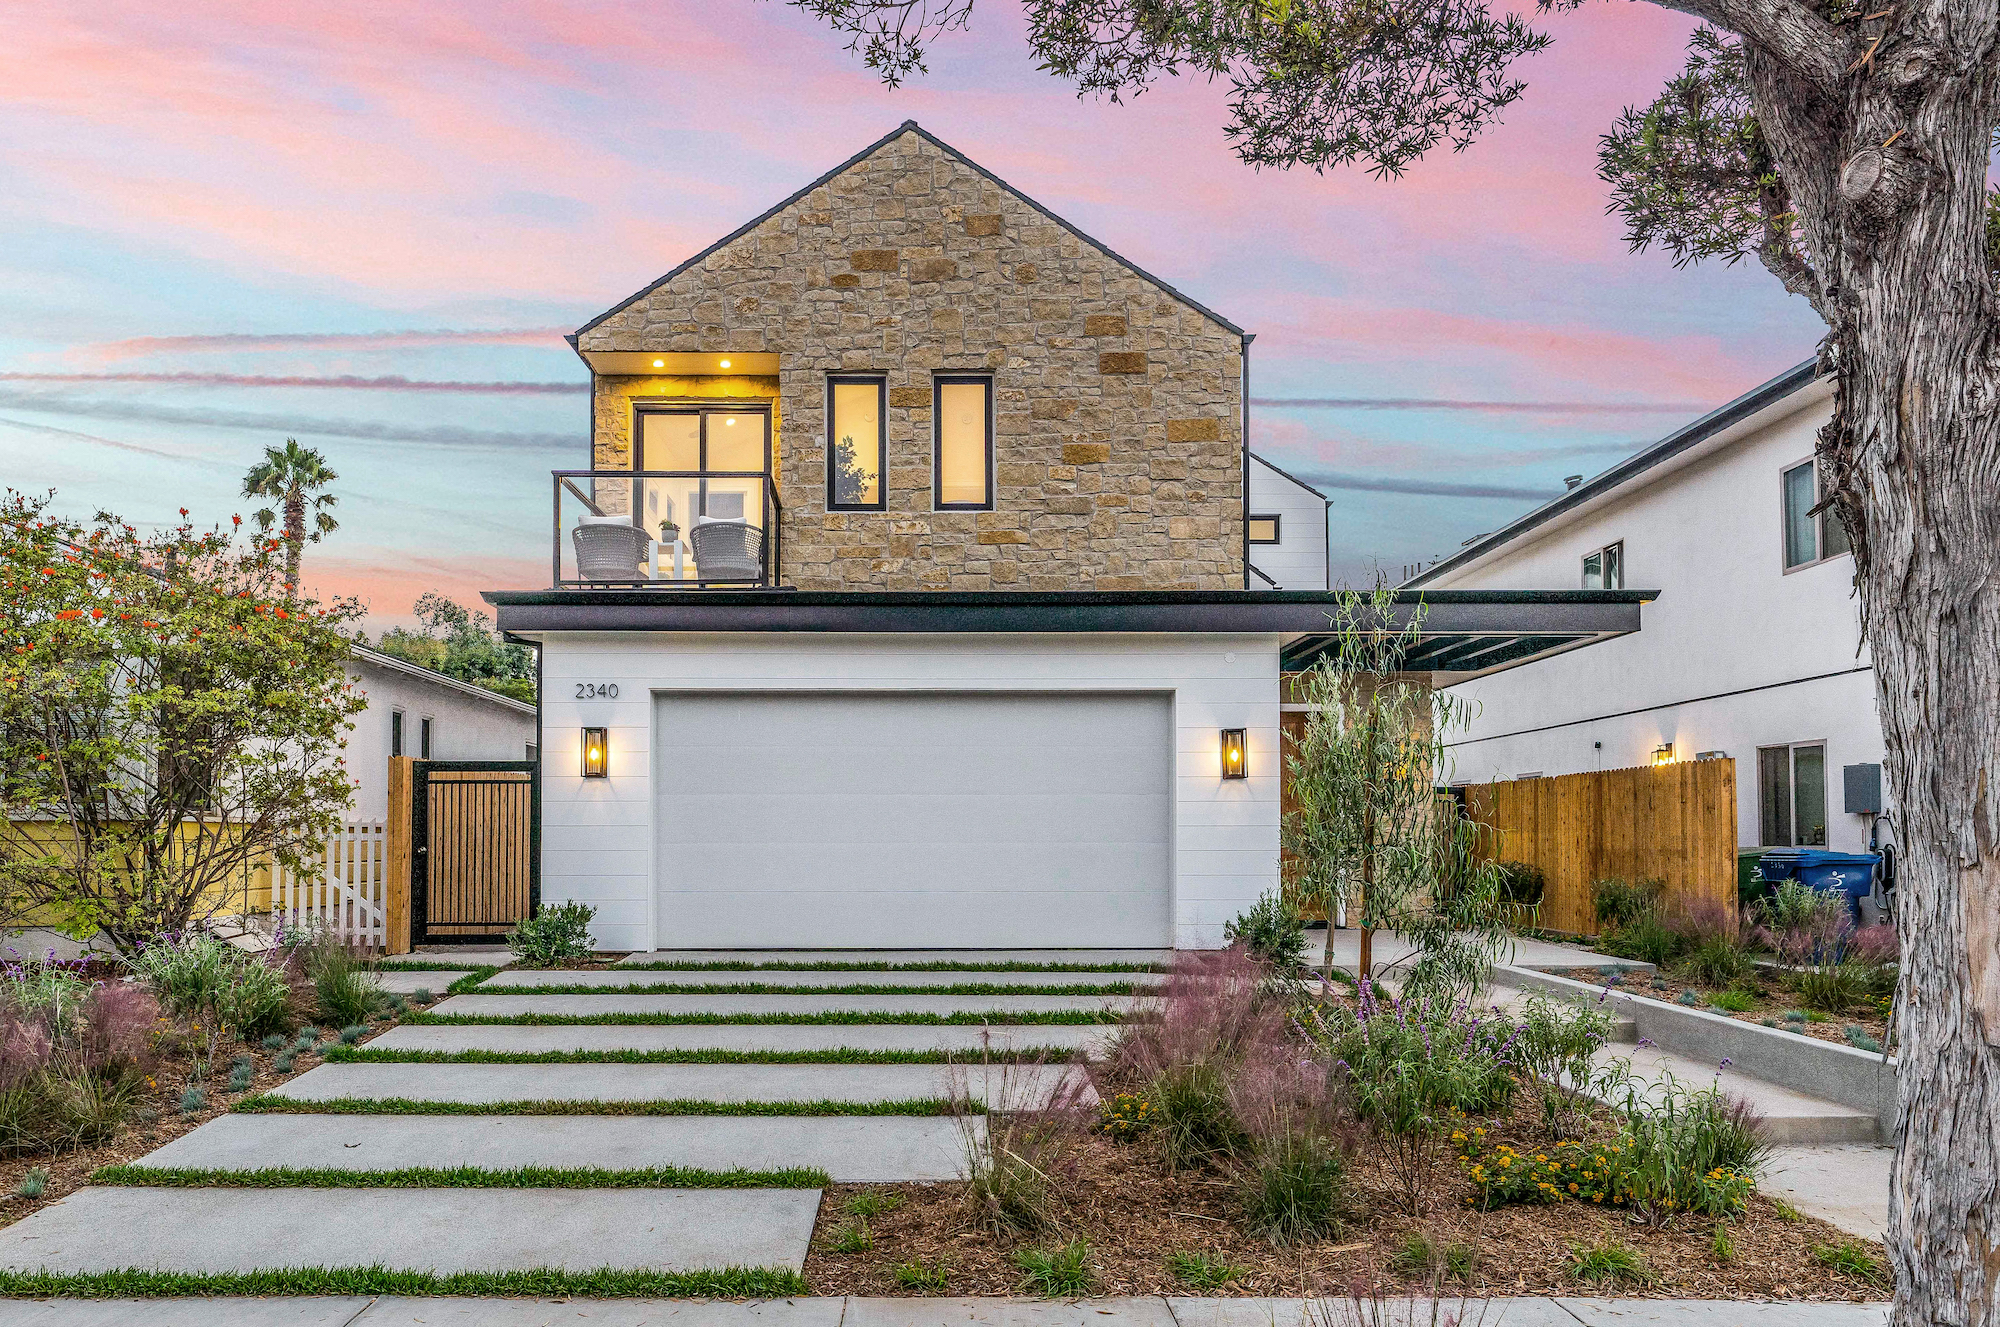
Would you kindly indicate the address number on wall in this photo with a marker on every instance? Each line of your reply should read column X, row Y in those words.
column 597, row 691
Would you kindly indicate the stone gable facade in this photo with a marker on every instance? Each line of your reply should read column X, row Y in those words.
column 1118, row 406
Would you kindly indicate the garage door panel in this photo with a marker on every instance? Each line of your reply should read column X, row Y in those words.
column 914, row 819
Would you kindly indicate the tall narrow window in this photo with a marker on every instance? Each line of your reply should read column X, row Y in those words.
column 424, row 738
column 395, row 732
column 1791, row 795
column 1604, row 568
column 1801, row 529
column 963, row 460
column 856, row 443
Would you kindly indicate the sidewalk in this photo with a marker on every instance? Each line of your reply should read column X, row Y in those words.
column 836, row 1311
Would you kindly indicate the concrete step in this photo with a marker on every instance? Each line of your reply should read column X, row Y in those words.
column 1509, row 1001
column 1018, row 1086
column 851, row 1149
column 975, row 956
column 789, row 1037
column 617, row 978
column 1789, row 1117
column 442, row 1230
column 575, row 1006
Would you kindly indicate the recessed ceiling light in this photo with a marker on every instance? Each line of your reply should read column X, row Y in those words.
column 725, row 363
column 659, row 364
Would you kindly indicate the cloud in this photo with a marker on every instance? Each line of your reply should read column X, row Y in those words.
column 51, row 430
column 137, row 346
column 1423, row 487
column 389, row 383
column 440, row 435
column 1484, row 407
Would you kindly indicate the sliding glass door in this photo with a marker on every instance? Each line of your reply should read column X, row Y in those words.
column 720, row 457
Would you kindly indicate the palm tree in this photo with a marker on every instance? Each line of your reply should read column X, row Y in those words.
column 290, row 475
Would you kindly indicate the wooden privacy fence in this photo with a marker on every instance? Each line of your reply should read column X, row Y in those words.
column 1675, row 823
column 344, row 888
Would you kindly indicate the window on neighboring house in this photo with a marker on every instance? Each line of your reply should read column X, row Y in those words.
column 1605, row 568
column 962, row 460
column 1809, row 537
column 424, row 738
column 1791, row 795
column 857, row 442
column 1264, row 529
column 395, row 732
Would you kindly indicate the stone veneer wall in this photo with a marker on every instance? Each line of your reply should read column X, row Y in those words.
column 1117, row 407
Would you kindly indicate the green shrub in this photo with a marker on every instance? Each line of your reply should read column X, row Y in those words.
column 1057, row 1273
column 1833, row 987
column 872, row 1203
column 1420, row 1255
column 33, row 1184
column 1192, row 1115
column 1720, row 1246
column 346, row 991
column 1012, row 1158
column 1294, row 1188
column 1621, row 904
column 1608, row 1263
column 854, row 1237
column 206, row 980
column 1203, row 1270
column 922, row 1274
column 1851, row 1258
column 1737, row 1001
column 1124, row 1117
column 241, row 1077
column 64, row 1106
column 1273, row 931
column 1718, row 960
column 352, row 1034
column 1521, row 883
column 193, row 1099
column 1558, row 1043
column 558, row 933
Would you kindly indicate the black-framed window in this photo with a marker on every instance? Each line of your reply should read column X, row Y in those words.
column 1809, row 537
column 1264, row 529
column 1791, row 795
column 962, row 442
column 424, row 738
column 857, row 442
column 720, row 451
column 395, row 732
column 1604, row 568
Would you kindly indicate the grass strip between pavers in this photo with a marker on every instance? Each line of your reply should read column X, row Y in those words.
column 398, row 965
column 1045, row 1018
column 859, row 988
column 835, row 965
column 470, row 981
column 267, row 1104
column 461, row 1177
column 338, row 1054
column 545, row 1282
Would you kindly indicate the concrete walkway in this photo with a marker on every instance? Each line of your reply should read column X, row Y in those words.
column 1847, row 1186
column 787, row 1038
column 576, row 1006
column 616, row 978
column 857, row 957
column 1148, row 1311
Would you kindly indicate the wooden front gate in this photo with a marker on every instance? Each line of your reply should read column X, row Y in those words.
column 476, row 849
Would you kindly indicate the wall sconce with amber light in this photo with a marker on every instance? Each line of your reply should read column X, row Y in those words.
column 1663, row 754
column 1235, row 753
column 596, row 753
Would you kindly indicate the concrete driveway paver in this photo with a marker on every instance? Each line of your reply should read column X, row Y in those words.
column 530, row 1039
column 1023, row 1085
column 298, row 1311
column 1190, row 1311
column 1138, row 1311
column 581, row 1006
column 616, row 978
column 1067, row 957
column 1721, row 1313
column 1847, row 1186
column 444, row 1230
column 801, row 1312
column 403, row 983
column 852, row 1149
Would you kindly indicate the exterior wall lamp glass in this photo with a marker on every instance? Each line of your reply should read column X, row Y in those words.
column 1235, row 753
column 1663, row 754
column 596, row 753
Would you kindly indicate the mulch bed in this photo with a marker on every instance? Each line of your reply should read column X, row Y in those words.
column 1773, row 1002
column 1134, row 1213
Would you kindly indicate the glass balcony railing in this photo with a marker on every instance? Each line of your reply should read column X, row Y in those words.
column 664, row 529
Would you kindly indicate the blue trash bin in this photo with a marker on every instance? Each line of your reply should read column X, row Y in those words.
column 1850, row 874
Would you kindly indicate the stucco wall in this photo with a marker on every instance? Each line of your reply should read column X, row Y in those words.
column 1117, row 407
column 1735, row 654
column 463, row 728
column 598, row 834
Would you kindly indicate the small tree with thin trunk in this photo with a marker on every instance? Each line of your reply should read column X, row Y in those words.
column 1368, row 835
column 292, row 476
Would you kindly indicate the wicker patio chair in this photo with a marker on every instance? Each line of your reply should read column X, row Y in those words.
column 610, row 548
column 727, row 550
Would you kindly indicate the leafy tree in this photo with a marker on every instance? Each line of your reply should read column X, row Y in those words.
column 292, row 476
column 166, row 724
column 1368, row 831
column 463, row 645
column 1846, row 144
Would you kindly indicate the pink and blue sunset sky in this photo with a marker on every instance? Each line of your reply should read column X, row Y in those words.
column 202, row 195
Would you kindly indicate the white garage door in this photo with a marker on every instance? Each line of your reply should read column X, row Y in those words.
column 914, row 820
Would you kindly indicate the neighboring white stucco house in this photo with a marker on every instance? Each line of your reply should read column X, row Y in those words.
column 1752, row 650
column 1286, row 530
column 417, row 711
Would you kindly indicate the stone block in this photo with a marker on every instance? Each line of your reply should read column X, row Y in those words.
column 872, row 260
column 1003, row 537
column 1121, row 361
column 909, row 396
column 845, row 280
column 1068, row 506
column 984, row 224
column 1052, row 409
column 1104, row 324
column 1194, row 430
column 1026, row 273
column 933, row 269
column 1085, row 453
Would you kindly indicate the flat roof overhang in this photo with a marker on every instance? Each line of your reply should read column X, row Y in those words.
column 1464, row 633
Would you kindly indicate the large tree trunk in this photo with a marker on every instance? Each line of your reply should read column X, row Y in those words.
column 1889, row 175
column 295, row 534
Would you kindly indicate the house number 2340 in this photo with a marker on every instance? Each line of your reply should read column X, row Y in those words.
column 597, row 691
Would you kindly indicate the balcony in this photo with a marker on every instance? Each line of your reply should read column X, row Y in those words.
column 664, row 529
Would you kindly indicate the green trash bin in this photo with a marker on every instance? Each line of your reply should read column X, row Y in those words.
column 1750, row 883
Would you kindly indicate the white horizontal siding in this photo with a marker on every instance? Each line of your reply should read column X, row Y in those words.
column 1225, row 833
column 1298, row 560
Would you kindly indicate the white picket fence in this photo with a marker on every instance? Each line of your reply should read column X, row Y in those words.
column 343, row 889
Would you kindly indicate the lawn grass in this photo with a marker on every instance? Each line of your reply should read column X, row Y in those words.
column 543, row 1282
column 768, row 988
column 836, row 965
column 1045, row 1018
column 267, row 1104
column 338, row 1054
column 461, row 1177
column 470, row 981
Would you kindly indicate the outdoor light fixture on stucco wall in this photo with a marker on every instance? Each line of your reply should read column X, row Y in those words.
column 596, row 753
column 1235, row 753
column 1663, row 754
